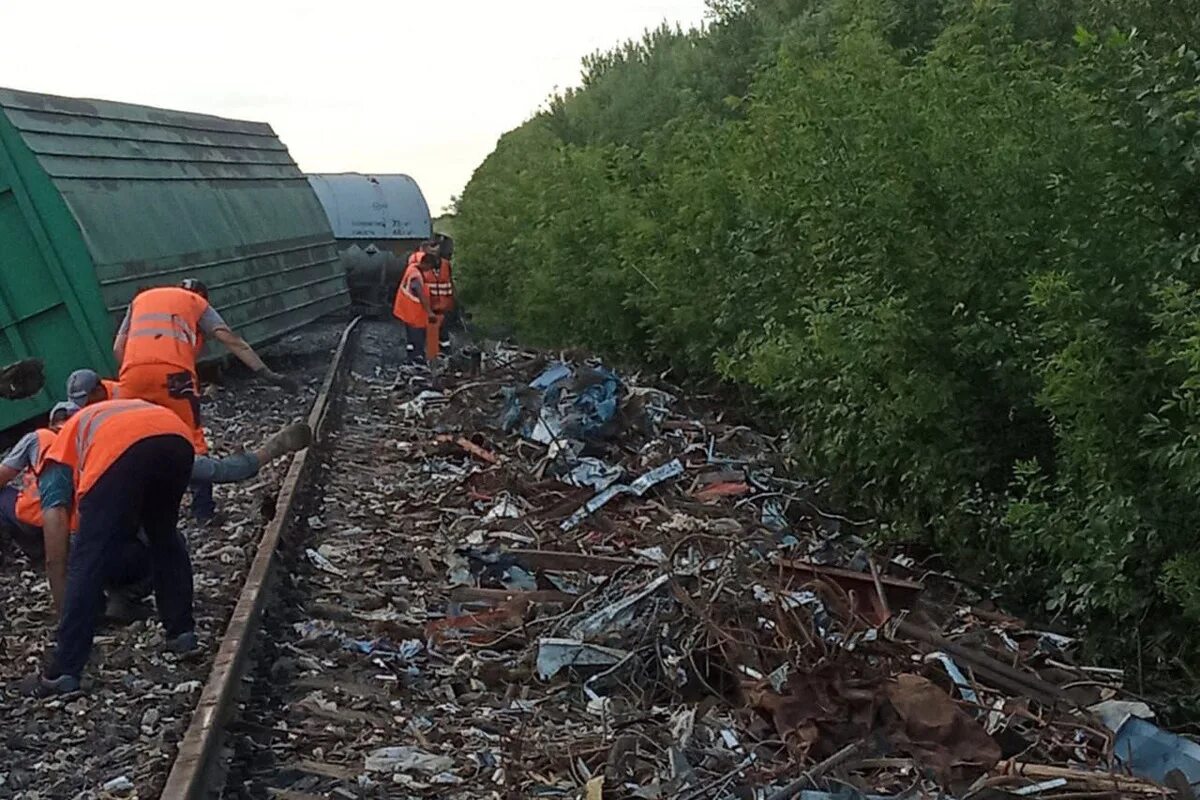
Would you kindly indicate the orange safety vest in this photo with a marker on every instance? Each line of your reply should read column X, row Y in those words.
column 112, row 389
column 441, row 288
column 29, row 501
column 407, row 307
column 164, row 328
column 97, row 436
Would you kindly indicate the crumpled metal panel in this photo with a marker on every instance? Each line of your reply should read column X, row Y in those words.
column 161, row 195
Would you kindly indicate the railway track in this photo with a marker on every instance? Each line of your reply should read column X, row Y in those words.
column 125, row 727
column 315, row 649
column 308, row 675
column 200, row 766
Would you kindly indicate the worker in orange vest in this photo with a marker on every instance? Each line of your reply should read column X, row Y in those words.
column 157, row 346
column 441, row 288
column 115, row 467
column 126, row 587
column 21, row 516
column 414, row 308
column 85, row 388
column 440, row 281
column 20, row 504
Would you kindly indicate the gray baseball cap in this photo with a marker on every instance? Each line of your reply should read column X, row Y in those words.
column 66, row 409
column 82, row 383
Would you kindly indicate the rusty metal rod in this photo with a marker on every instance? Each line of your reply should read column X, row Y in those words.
column 1004, row 676
column 810, row 776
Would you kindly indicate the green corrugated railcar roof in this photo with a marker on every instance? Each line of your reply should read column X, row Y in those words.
column 123, row 196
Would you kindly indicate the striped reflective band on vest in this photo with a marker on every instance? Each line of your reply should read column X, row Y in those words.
column 91, row 419
column 176, row 327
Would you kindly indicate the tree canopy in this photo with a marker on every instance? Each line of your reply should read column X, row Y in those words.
column 954, row 245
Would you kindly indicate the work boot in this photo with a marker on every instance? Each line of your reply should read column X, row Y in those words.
column 292, row 438
column 184, row 644
column 37, row 685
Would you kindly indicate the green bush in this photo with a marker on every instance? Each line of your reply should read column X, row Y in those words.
column 954, row 246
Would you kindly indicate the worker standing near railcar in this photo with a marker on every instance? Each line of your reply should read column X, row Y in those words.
column 20, row 505
column 441, row 289
column 157, row 346
column 115, row 467
column 414, row 308
column 441, row 280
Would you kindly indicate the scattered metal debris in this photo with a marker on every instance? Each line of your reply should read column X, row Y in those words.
column 705, row 630
column 507, row 616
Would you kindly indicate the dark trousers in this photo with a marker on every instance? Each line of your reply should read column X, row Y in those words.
column 142, row 488
column 414, row 341
column 131, row 574
column 453, row 321
column 26, row 537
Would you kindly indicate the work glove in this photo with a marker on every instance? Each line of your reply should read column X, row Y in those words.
column 285, row 382
column 22, row 379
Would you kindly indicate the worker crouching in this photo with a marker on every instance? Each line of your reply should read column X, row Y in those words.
column 128, row 583
column 20, row 504
column 117, row 467
column 85, row 386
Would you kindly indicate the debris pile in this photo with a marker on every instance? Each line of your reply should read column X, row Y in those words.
column 552, row 580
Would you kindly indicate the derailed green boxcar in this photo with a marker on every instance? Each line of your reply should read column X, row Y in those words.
column 98, row 199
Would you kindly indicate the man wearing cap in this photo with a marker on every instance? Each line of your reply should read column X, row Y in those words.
column 21, row 515
column 441, row 288
column 413, row 308
column 128, row 582
column 157, row 345
column 85, row 386
column 20, row 505
column 115, row 467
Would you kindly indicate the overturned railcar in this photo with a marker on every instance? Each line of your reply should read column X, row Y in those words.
column 100, row 198
column 377, row 220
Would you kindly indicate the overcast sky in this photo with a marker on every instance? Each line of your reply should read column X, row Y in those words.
column 423, row 88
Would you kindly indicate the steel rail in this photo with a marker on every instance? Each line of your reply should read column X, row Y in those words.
column 193, row 764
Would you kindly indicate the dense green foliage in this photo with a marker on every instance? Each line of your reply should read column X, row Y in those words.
column 955, row 245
